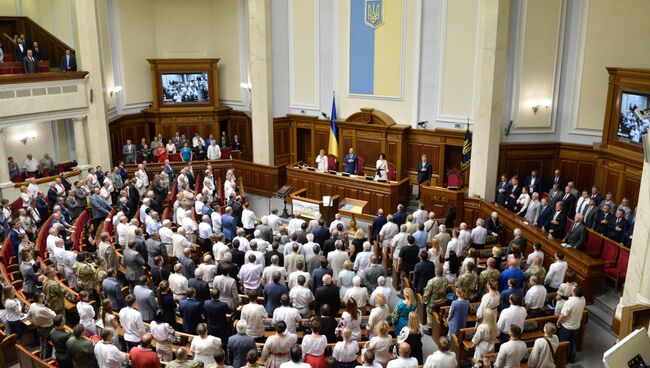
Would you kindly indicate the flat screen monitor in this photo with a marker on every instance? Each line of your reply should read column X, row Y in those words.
column 634, row 117
column 185, row 88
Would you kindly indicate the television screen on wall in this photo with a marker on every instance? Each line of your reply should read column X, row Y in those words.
column 185, row 88
column 634, row 117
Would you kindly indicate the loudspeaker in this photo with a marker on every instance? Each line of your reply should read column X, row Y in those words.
column 646, row 147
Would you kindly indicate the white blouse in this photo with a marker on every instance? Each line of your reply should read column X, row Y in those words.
column 314, row 345
column 352, row 324
column 377, row 314
column 381, row 347
column 381, row 170
column 204, row 349
column 13, row 308
column 345, row 353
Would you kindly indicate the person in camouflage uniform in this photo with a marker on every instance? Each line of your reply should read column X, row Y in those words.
column 490, row 273
column 468, row 282
column 182, row 362
column 100, row 274
column 86, row 274
column 435, row 295
column 54, row 292
column 536, row 269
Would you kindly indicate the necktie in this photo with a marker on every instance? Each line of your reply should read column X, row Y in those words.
column 574, row 226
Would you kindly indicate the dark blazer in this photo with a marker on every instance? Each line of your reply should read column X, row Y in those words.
column 188, row 266
column 513, row 195
column 236, row 145
column 558, row 230
column 321, row 234
column 553, row 198
column 502, row 197
column 238, row 257
column 556, row 180
column 520, row 241
column 351, row 167
column 377, row 224
column 328, row 294
column 52, row 196
column 201, row 287
column 271, row 253
column 618, row 235
column 569, row 201
column 328, row 247
column 399, row 218
column 19, row 54
column 158, row 274
column 191, row 312
column 544, row 218
column 493, row 226
column 590, row 218
column 537, row 188
column 598, row 198
column 30, row 65
column 42, row 207
column 229, row 226
column 133, row 262
column 70, row 66
column 38, row 54
column 601, row 228
column 423, row 272
column 426, row 174
column 224, row 142
column 577, row 235
column 215, row 316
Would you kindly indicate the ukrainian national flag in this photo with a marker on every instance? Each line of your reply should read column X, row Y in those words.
column 333, row 147
column 376, row 47
column 467, row 150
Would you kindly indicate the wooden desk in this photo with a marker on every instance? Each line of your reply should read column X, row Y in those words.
column 327, row 212
column 589, row 271
column 378, row 195
column 438, row 199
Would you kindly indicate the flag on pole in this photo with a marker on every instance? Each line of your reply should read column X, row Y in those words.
column 333, row 147
column 467, row 150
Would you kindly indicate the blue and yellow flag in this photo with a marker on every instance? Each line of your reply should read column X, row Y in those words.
column 467, row 150
column 333, row 147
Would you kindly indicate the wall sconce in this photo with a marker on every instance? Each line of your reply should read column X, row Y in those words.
column 28, row 136
column 115, row 90
column 246, row 86
column 536, row 105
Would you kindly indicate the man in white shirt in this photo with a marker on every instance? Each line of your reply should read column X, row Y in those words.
column 166, row 235
column 301, row 297
column 205, row 233
column 190, row 226
column 363, row 259
column 214, row 151
column 570, row 319
column 336, row 258
column 132, row 324
column 143, row 175
column 248, row 219
column 443, row 237
column 465, row 237
column 556, row 271
column 288, row 314
column 32, row 188
column 356, row 292
column 215, row 217
column 537, row 252
column 107, row 354
column 292, row 280
column 535, row 297
column 512, row 352
column 420, row 215
column 404, row 359
column 454, row 244
column 274, row 221
column 208, row 268
column 105, row 193
column 178, row 283
column 219, row 248
column 398, row 242
column 30, row 165
column 544, row 348
column 254, row 314
column 295, row 223
column 478, row 235
column 336, row 222
column 259, row 257
column 321, row 161
column 250, row 274
column 443, row 358
column 515, row 314
column 380, row 289
column 267, row 274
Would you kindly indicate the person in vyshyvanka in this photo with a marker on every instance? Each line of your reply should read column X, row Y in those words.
column 381, row 168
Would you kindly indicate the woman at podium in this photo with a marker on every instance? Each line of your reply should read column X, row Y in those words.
column 381, row 168
column 321, row 161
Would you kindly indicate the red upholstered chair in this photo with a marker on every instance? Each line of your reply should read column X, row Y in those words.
column 16, row 205
column 5, row 70
column 17, row 178
column 138, row 158
column 225, row 152
column 360, row 163
column 43, row 68
column 175, row 157
column 331, row 162
column 30, row 175
column 568, row 225
column 594, row 244
column 18, row 70
column 8, row 58
column 610, row 252
column 391, row 171
column 454, row 180
column 618, row 271
column 46, row 172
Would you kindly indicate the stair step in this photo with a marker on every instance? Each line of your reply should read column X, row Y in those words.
column 604, row 306
column 601, row 317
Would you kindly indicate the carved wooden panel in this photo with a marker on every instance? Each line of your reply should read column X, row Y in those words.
column 630, row 190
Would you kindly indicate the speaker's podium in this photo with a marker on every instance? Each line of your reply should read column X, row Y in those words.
column 439, row 200
column 310, row 208
column 352, row 207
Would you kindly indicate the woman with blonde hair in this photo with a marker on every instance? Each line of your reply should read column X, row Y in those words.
column 403, row 308
column 345, row 278
column 380, row 344
column 345, row 352
column 356, row 245
column 486, row 334
column 435, row 253
column 412, row 335
column 379, row 313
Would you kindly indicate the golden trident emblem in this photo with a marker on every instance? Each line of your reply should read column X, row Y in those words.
column 374, row 13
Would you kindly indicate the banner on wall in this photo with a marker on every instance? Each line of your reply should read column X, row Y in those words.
column 376, row 43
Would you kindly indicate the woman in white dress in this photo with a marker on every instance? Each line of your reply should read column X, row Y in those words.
column 381, row 168
column 523, row 201
column 351, row 319
column 204, row 347
column 321, row 161
column 313, row 346
column 110, row 322
column 345, row 352
column 208, row 185
column 277, row 347
column 489, row 300
column 379, row 313
column 486, row 333
column 435, row 253
column 162, row 332
column 564, row 291
column 381, row 344
column 86, row 314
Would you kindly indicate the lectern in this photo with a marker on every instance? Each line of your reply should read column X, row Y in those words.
column 352, row 207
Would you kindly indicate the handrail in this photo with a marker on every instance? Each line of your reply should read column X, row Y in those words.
column 11, row 39
column 67, row 174
column 41, row 77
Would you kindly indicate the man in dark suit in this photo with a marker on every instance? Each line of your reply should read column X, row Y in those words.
column 534, row 183
column 554, row 195
column 557, row 179
column 618, row 227
column 503, row 188
column 169, row 171
column 377, row 224
column 68, row 63
column 590, row 213
column 201, row 287
column 577, row 235
column 20, row 50
column 424, row 172
column 513, row 195
column 52, row 195
column 519, row 240
column 36, row 52
column 215, row 312
column 558, row 221
column 29, row 63
column 190, row 309
column 596, row 195
column 223, row 140
column 236, row 143
column 129, row 151
column 274, row 252
column 351, row 162
column 328, row 294
column 569, row 201
column 41, row 206
column 229, row 225
column 321, row 233
column 399, row 217
column 602, row 220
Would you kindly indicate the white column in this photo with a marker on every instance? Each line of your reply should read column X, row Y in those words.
column 259, row 39
column 80, row 142
column 4, row 168
column 89, row 59
column 492, row 62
